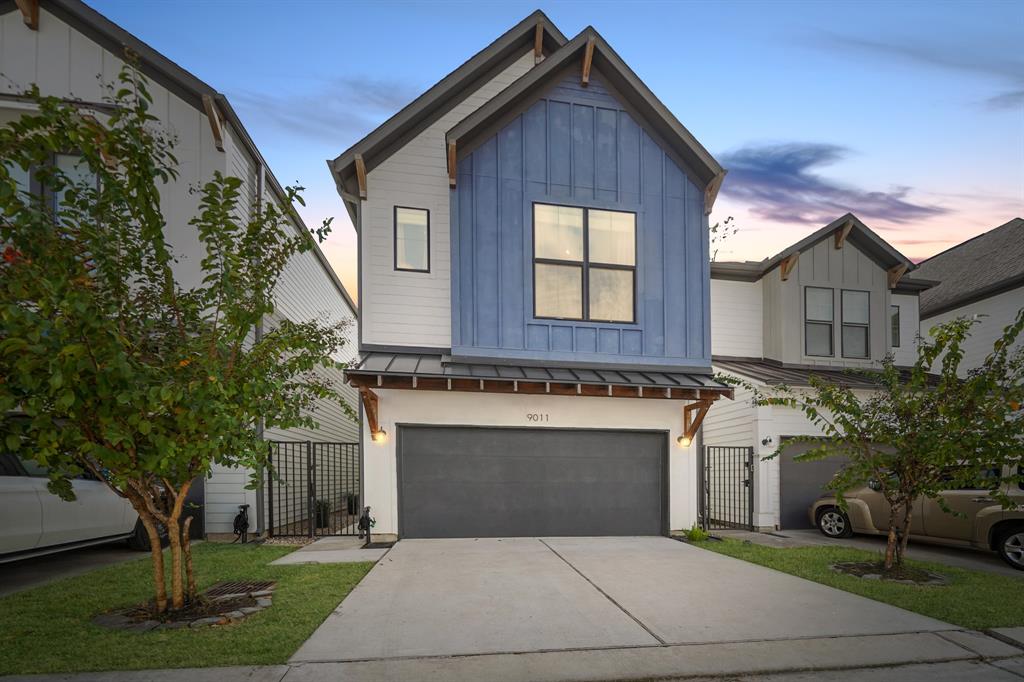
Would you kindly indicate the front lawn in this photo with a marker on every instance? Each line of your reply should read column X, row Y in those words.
column 972, row 599
column 48, row 629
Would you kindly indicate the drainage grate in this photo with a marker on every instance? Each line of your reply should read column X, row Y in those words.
column 239, row 587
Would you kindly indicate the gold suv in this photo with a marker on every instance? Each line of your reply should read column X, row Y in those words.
column 981, row 523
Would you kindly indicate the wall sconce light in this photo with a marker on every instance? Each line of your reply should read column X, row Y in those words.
column 766, row 441
column 684, row 441
column 379, row 436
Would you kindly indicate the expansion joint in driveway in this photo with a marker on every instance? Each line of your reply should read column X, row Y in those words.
column 604, row 594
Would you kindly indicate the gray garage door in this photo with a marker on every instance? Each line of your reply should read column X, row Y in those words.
column 492, row 482
column 801, row 483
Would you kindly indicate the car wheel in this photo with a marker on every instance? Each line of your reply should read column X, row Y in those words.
column 139, row 539
column 1011, row 547
column 834, row 523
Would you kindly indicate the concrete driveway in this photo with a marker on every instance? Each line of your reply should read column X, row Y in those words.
column 492, row 596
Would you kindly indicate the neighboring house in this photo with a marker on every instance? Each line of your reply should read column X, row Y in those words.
column 535, row 341
column 983, row 276
column 71, row 51
column 838, row 299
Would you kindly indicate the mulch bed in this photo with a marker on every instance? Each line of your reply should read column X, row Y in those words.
column 875, row 570
column 221, row 604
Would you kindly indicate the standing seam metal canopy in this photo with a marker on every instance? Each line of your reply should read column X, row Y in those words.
column 435, row 366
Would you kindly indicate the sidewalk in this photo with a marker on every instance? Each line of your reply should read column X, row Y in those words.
column 924, row 657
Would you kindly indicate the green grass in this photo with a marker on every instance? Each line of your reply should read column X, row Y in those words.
column 972, row 599
column 48, row 629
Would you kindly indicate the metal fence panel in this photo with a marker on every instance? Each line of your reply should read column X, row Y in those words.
column 314, row 490
column 728, row 493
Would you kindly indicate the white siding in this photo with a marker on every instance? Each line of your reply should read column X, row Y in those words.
column 411, row 308
column 998, row 311
column 731, row 422
column 906, row 354
column 66, row 63
column 736, row 318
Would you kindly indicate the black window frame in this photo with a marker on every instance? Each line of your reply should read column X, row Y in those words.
column 894, row 325
column 585, row 264
column 394, row 238
column 831, row 324
column 843, row 324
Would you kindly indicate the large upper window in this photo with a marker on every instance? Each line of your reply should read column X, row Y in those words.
column 412, row 239
column 856, row 329
column 894, row 322
column 584, row 264
column 819, row 317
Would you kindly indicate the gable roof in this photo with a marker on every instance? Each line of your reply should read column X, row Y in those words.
column 182, row 83
column 863, row 237
column 617, row 74
column 387, row 138
column 980, row 267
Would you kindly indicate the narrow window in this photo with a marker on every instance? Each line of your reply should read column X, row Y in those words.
column 855, row 324
column 412, row 239
column 76, row 171
column 584, row 264
column 894, row 321
column 818, row 321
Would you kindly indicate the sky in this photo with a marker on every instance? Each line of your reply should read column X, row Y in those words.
column 908, row 114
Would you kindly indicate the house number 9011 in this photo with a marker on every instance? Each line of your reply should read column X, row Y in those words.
column 537, row 417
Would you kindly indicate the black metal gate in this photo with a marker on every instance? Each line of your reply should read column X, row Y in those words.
column 728, row 499
column 315, row 488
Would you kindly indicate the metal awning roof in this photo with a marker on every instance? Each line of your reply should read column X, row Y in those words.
column 774, row 373
column 379, row 368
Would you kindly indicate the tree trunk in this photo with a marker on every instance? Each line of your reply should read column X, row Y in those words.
column 908, row 513
column 156, row 552
column 177, row 588
column 186, row 548
column 892, row 542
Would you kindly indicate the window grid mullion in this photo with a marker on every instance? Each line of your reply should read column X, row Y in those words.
column 586, row 264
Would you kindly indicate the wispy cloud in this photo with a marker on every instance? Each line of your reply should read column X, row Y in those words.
column 778, row 182
column 338, row 109
column 1003, row 66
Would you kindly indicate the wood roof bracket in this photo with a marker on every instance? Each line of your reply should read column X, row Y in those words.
column 693, row 417
column 29, row 12
column 361, row 175
column 588, row 59
column 538, row 43
column 216, row 123
column 711, row 192
column 896, row 273
column 371, row 405
column 842, row 233
column 452, row 165
column 788, row 264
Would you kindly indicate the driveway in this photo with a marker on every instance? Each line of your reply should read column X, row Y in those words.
column 490, row 596
column 20, row 575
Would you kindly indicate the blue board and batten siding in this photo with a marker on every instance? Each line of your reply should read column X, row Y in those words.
column 577, row 146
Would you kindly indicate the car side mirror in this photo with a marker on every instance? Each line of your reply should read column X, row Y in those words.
column 875, row 485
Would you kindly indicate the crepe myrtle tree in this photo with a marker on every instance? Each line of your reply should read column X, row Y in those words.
column 921, row 432
column 109, row 367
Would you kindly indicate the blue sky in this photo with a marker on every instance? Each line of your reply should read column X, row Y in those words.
column 909, row 114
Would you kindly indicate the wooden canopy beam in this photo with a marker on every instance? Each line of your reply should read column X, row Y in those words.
column 361, row 175
column 842, row 232
column 711, row 192
column 29, row 12
column 895, row 274
column 215, row 123
column 538, row 44
column 588, row 60
column 788, row 264
column 452, row 165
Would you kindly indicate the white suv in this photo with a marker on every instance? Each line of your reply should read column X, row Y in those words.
column 34, row 521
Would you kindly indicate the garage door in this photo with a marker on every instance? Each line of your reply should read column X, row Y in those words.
column 493, row 482
column 801, row 483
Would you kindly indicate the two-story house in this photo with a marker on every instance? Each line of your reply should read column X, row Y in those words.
column 982, row 277
column 534, row 286
column 839, row 298
column 72, row 51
